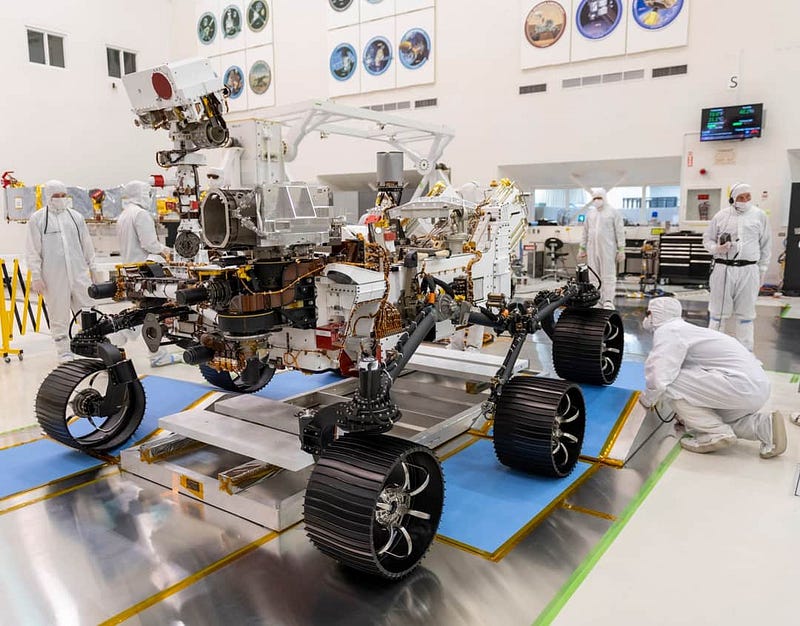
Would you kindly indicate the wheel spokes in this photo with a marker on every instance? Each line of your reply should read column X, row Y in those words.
column 407, row 537
column 100, row 428
column 422, row 487
column 558, row 447
column 392, row 537
column 395, row 532
column 570, row 436
column 566, row 409
column 406, row 477
column 611, row 332
column 570, row 418
column 394, row 512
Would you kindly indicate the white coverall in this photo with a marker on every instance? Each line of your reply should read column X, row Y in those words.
column 734, row 289
column 60, row 256
column 138, row 242
column 714, row 384
column 603, row 244
column 135, row 227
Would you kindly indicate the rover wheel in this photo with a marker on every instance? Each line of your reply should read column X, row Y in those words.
column 373, row 503
column 588, row 345
column 68, row 406
column 539, row 424
column 239, row 383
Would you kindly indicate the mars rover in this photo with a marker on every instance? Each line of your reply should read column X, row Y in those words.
column 290, row 285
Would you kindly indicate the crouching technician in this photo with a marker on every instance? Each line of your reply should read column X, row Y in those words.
column 715, row 385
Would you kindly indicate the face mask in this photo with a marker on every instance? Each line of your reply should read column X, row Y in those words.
column 742, row 206
column 597, row 204
column 647, row 322
column 59, row 204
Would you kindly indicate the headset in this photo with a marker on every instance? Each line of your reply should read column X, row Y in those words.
column 731, row 196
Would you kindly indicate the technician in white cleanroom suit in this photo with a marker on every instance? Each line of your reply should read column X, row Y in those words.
column 739, row 264
column 716, row 387
column 138, row 243
column 603, row 244
column 60, row 256
column 135, row 227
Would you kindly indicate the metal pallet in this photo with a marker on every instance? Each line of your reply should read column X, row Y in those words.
column 241, row 453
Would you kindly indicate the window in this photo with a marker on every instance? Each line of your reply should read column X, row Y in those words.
column 112, row 57
column 55, row 50
column 36, row 47
column 119, row 60
column 129, row 64
column 50, row 54
column 628, row 201
column 664, row 200
column 557, row 206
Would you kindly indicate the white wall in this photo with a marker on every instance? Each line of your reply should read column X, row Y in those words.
column 75, row 124
column 84, row 133
column 478, row 77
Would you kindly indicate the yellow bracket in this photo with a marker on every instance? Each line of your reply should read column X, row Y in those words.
column 243, row 272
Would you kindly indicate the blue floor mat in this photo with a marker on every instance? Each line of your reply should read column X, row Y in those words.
column 290, row 383
column 604, row 406
column 487, row 504
column 40, row 462
column 631, row 376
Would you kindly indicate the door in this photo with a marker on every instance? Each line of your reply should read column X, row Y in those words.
column 791, row 272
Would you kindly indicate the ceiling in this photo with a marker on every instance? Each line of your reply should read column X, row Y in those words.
column 610, row 173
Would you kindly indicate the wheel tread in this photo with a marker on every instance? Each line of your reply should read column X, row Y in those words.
column 341, row 496
column 225, row 381
column 523, row 425
column 51, row 405
column 577, row 345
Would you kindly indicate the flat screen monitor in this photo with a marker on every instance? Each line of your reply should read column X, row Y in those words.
column 736, row 122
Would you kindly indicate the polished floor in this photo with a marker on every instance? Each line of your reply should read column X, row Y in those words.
column 715, row 542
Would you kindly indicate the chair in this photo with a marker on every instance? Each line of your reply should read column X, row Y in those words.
column 552, row 246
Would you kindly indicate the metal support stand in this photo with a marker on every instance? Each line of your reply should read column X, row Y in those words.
column 201, row 458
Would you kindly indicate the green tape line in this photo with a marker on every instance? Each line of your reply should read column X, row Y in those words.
column 579, row 575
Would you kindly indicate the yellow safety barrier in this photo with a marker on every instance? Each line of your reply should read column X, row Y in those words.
column 9, row 313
